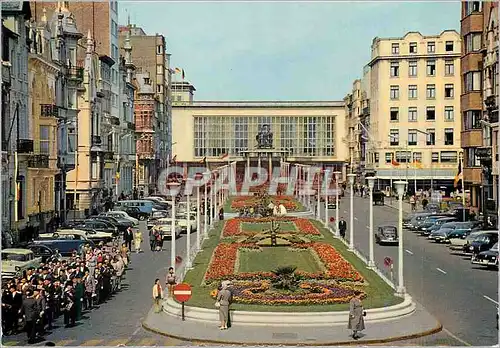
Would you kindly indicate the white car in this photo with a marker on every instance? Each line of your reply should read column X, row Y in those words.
column 165, row 226
column 183, row 222
column 95, row 236
column 15, row 261
column 457, row 244
column 122, row 215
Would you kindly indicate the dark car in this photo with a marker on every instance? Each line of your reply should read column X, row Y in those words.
column 378, row 198
column 426, row 228
column 43, row 251
column 483, row 242
column 136, row 213
column 121, row 224
column 72, row 223
column 488, row 258
column 387, row 234
column 416, row 219
column 66, row 244
column 98, row 225
column 433, row 208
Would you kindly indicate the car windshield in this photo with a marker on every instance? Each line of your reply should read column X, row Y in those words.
column 14, row 257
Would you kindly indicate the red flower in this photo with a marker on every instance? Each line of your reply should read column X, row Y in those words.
column 232, row 227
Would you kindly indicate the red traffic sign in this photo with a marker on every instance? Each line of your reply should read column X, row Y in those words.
column 387, row 261
column 332, row 219
column 182, row 292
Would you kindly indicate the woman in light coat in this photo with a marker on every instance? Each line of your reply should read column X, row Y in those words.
column 224, row 298
column 138, row 241
column 157, row 295
column 356, row 314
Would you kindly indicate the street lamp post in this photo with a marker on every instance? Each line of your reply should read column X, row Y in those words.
column 318, row 198
column 351, row 178
column 206, row 211
column 198, row 222
column 172, row 226
column 337, row 178
column 188, row 229
column 327, row 187
column 371, row 184
column 400, row 189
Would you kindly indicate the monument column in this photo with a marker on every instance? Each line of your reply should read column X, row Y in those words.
column 270, row 172
column 247, row 171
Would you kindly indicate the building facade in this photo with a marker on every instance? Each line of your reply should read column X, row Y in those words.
column 353, row 105
column 479, row 102
column 414, row 123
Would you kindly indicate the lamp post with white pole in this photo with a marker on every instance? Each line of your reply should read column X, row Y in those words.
column 400, row 189
column 188, row 227
column 173, row 191
column 206, row 207
column 371, row 184
column 198, row 217
column 327, row 187
column 318, row 197
column 337, row 178
column 351, row 177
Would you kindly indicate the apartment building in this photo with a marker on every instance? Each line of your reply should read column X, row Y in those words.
column 414, row 104
column 353, row 105
column 150, row 57
column 479, row 102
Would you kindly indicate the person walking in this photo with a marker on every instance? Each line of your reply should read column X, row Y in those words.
column 31, row 311
column 79, row 294
column 413, row 202
column 138, row 241
column 356, row 317
column 69, row 306
column 128, row 236
column 157, row 295
column 224, row 299
column 171, row 280
column 342, row 227
column 152, row 238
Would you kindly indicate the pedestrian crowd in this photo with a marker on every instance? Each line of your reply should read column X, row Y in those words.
column 63, row 287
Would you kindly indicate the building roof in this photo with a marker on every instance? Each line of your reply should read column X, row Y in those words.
column 262, row 104
column 16, row 7
column 377, row 39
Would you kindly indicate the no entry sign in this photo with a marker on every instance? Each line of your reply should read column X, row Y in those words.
column 387, row 261
column 182, row 292
column 332, row 219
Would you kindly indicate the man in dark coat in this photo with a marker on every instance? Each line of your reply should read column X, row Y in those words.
column 31, row 311
column 68, row 305
column 342, row 227
column 128, row 237
column 79, row 294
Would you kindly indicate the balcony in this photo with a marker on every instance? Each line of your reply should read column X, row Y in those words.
column 131, row 126
column 473, row 175
column 472, row 138
column 38, row 161
column 366, row 111
column 6, row 78
column 49, row 110
column 24, row 146
column 96, row 140
column 109, row 156
column 75, row 73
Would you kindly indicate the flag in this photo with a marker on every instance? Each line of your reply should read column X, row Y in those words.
column 224, row 156
column 459, row 176
column 177, row 70
column 183, row 74
column 204, row 161
column 173, row 160
column 394, row 162
column 418, row 164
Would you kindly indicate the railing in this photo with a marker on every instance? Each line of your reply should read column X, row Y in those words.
column 38, row 161
column 24, row 146
column 75, row 72
column 49, row 110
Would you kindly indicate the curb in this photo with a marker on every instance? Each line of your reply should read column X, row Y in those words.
column 432, row 331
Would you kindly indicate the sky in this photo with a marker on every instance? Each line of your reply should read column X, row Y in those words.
column 280, row 50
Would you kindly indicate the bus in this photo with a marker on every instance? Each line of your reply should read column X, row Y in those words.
column 143, row 205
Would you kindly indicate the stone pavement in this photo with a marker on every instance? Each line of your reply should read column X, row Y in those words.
column 418, row 324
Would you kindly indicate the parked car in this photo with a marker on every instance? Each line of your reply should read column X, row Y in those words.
column 440, row 235
column 487, row 258
column 121, row 215
column 66, row 244
column 457, row 244
column 95, row 236
column 135, row 212
column 378, row 198
column 72, row 223
column 98, row 225
column 165, row 227
column 17, row 260
column 121, row 224
column 161, row 214
column 425, row 228
column 387, row 234
column 415, row 220
column 482, row 243
column 433, row 208
column 42, row 251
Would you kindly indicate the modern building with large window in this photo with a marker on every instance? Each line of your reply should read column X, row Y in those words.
column 414, row 122
column 307, row 132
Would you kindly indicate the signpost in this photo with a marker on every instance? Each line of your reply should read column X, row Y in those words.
column 182, row 293
column 388, row 263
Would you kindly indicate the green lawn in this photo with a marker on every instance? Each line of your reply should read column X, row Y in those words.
column 271, row 258
column 262, row 226
column 228, row 209
column 379, row 294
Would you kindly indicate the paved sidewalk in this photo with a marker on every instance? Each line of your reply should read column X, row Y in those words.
column 395, row 204
column 418, row 324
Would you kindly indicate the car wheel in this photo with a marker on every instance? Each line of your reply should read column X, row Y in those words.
column 142, row 217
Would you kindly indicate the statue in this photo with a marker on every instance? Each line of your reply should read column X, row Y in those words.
column 273, row 232
column 264, row 137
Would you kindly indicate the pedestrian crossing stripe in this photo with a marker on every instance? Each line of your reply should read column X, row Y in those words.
column 92, row 343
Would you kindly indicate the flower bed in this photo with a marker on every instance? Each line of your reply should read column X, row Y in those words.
column 259, row 292
column 232, row 227
column 247, row 201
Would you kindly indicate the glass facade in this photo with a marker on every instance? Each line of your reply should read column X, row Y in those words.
column 301, row 135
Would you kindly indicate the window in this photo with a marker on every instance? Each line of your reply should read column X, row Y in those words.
column 449, row 114
column 159, row 49
column 472, row 42
column 395, row 48
column 412, row 68
column 394, row 69
column 403, row 156
column 147, row 81
column 472, row 6
column 394, row 92
column 430, row 114
column 435, row 157
column 394, row 137
column 159, row 69
column 45, row 139
column 472, row 81
column 412, row 137
column 472, row 119
column 448, row 46
column 159, row 88
column 417, row 157
column 449, row 91
column 431, row 67
column 394, row 114
column 412, row 92
column 449, row 157
column 377, row 159
column 431, row 91
column 431, row 136
column 412, row 114
column 413, row 47
column 471, row 158
column 388, row 157
column 448, row 136
column 449, row 68
column 71, row 140
column 431, row 47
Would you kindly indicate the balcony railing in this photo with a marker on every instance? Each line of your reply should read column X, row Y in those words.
column 38, row 161
column 24, row 146
column 49, row 110
column 76, row 73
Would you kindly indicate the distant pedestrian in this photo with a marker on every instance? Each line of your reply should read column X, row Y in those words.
column 138, row 241
column 342, row 227
column 157, row 295
column 171, row 280
column 221, row 214
column 356, row 317
column 152, row 238
column 224, row 299
column 128, row 236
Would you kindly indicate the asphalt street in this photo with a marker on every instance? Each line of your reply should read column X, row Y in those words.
column 463, row 297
